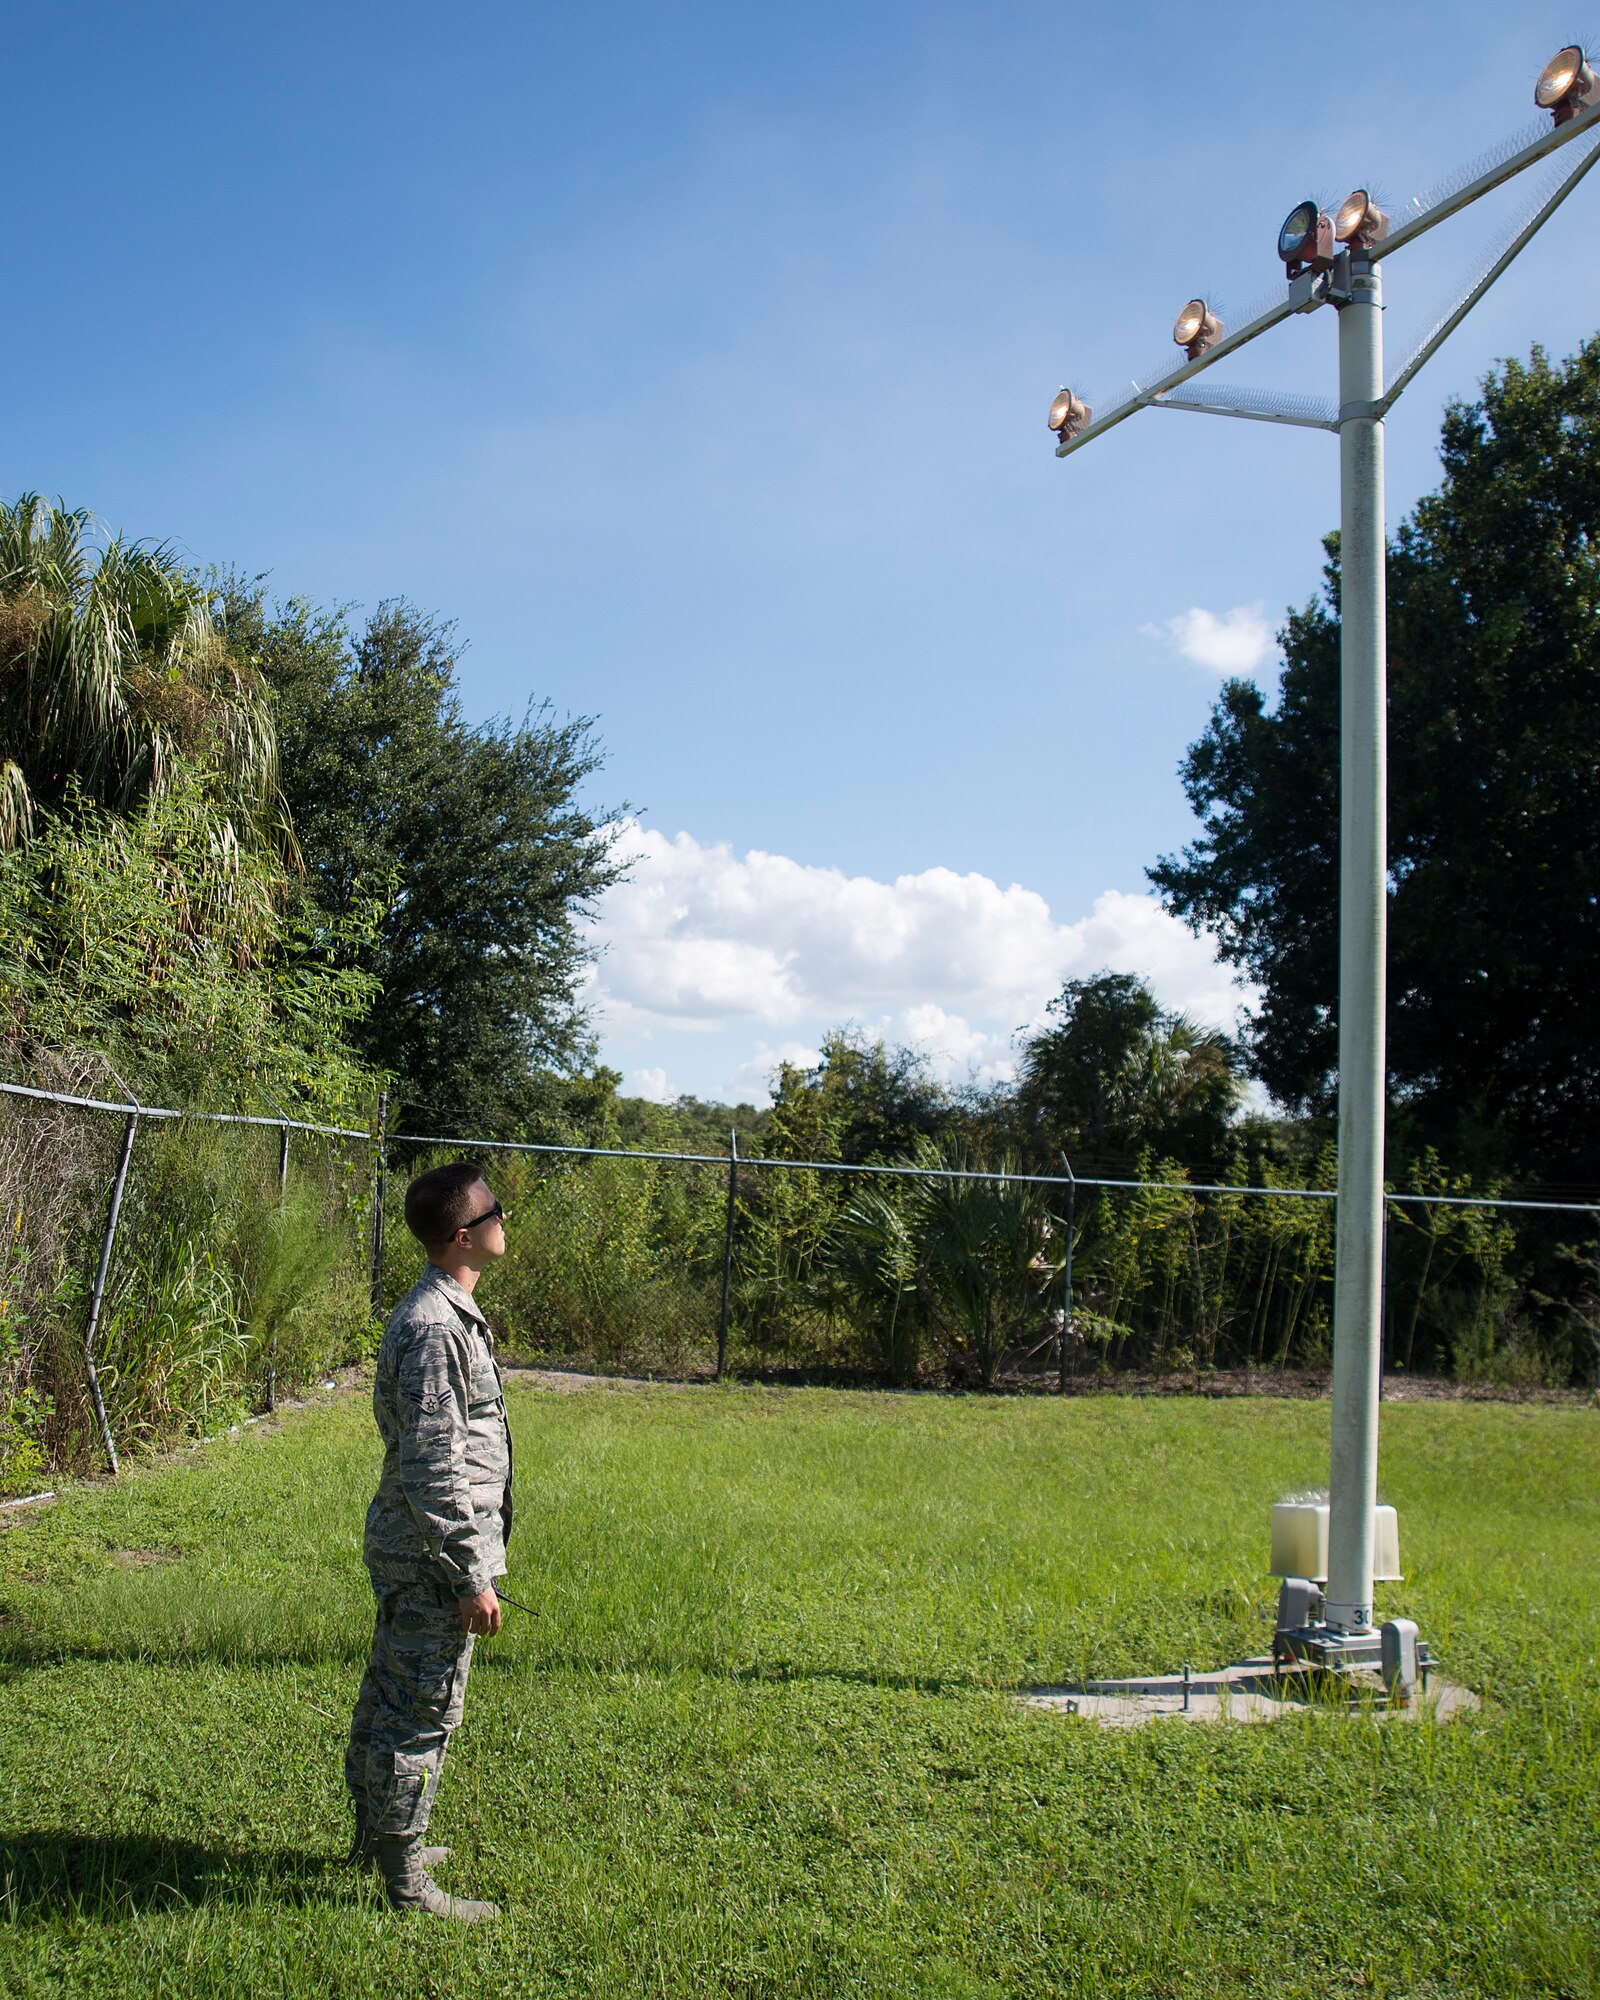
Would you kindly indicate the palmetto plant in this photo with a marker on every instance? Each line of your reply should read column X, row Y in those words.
column 984, row 1266
column 113, row 671
column 872, row 1256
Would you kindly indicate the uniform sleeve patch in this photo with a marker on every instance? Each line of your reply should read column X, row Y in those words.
column 429, row 1401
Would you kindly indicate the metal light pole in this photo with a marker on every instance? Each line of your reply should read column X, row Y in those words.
column 1350, row 279
column 1363, row 918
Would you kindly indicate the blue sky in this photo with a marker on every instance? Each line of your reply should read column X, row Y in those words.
column 695, row 359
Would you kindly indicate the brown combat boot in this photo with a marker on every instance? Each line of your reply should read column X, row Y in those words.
column 398, row 1858
column 361, row 1855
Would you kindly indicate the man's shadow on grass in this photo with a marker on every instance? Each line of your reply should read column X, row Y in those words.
column 50, row 1873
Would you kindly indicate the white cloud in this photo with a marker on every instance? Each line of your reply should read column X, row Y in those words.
column 651, row 1083
column 748, row 1083
column 1228, row 642
column 701, row 941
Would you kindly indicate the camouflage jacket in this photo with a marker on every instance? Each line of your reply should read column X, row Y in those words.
column 444, row 1496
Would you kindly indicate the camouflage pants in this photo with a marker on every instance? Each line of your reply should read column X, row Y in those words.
column 410, row 1701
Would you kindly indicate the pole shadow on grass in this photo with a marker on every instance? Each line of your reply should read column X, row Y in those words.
column 51, row 1873
column 21, row 1655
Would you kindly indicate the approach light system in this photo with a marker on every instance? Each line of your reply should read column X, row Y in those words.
column 1305, row 242
column 1196, row 328
column 1333, row 1627
column 1068, row 416
column 1566, row 85
column 1359, row 221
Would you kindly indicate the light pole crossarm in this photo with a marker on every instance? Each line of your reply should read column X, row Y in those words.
column 1468, row 186
column 1144, row 396
column 1264, row 406
column 1519, row 239
column 1459, row 191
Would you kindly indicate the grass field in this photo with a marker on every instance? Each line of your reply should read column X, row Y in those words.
column 759, row 1740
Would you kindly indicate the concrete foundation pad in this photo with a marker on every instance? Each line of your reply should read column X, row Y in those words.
column 1248, row 1691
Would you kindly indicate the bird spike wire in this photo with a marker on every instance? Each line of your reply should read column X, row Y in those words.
column 1474, row 169
column 1138, row 387
column 1551, row 186
column 1494, row 156
column 1283, row 406
column 1234, row 318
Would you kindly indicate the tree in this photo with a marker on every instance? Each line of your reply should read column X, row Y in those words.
column 875, row 1100
column 1112, row 1075
column 471, row 839
column 687, row 1125
column 145, row 848
column 1494, row 799
column 116, row 683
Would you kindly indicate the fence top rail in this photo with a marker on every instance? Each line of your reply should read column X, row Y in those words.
column 962, row 1174
column 130, row 1110
column 281, row 1124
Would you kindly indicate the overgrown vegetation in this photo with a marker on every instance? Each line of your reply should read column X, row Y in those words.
column 148, row 949
column 928, row 1277
column 247, row 863
column 223, row 1282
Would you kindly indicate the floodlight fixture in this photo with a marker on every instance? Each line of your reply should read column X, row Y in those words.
column 1069, row 415
column 1359, row 221
column 1305, row 242
column 1196, row 328
column 1566, row 86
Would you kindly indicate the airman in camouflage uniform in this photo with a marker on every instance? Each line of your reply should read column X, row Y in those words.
column 435, row 1535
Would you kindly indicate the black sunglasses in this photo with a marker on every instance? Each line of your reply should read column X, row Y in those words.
column 495, row 1214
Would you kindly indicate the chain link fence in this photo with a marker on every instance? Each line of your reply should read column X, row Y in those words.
column 166, row 1268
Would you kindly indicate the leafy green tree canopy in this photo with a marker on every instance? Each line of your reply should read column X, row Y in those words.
column 1494, row 798
column 864, row 1100
column 687, row 1125
column 144, row 844
column 1111, row 1075
column 471, row 838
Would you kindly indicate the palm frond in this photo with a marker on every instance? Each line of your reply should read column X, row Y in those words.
column 114, row 672
column 16, row 807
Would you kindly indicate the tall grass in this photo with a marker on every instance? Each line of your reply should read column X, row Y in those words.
column 222, row 1281
column 218, row 1277
column 613, row 1262
column 618, row 1262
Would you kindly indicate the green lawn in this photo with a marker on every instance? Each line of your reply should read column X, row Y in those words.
column 759, row 1739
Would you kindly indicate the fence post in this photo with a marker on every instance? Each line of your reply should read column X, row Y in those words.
column 1066, row 1282
column 1597, row 1299
column 99, row 1292
column 380, row 1185
column 727, row 1252
column 272, row 1345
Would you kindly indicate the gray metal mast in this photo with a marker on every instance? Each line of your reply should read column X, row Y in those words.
column 1363, row 915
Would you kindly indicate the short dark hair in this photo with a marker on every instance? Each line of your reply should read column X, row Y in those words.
column 439, row 1201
